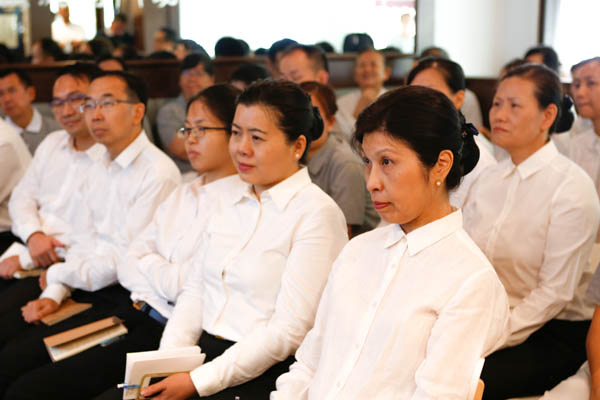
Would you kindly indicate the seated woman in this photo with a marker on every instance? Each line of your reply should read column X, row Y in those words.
column 535, row 215
column 447, row 77
column 270, row 242
column 335, row 168
column 157, row 263
column 410, row 308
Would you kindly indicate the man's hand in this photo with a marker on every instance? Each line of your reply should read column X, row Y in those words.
column 175, row 387
column 35, row 310
column 41, row 247
column 367, row 96
column 9, row 266
column 43, row 281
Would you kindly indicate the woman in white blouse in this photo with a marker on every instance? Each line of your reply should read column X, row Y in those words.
column 535, row 215
column 269, row 245
column 409, row 308
column 448, row 77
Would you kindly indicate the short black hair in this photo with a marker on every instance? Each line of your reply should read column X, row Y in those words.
column 162, row 55
column 193, row 60
column 135, row 86
column 80, row 70
column 451, row 72
column 279, row 46
column 51, row 49
column 325, row 94
column 249, row 72
column 427, row 121
column 231, row 47
column 434, row 51
column 192, row 46
column 170, row 34
column 355, row 42
column 112, row 58
column 326, row 47
column 584, row 62
column 549, row 56
column 101, row 47
column 221, row 100
column 314, row 53
column 22, row 75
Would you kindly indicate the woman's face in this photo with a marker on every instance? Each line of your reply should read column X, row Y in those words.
column 327, row 122
column 431, row 78
column 259, row 148
column 586, row 90
column 209, row 152
column 400, row 185
column 518, row 124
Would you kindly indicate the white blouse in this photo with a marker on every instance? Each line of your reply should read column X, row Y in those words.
column 122, row 195
column 261, row 269
column 536, row 223
column 402, row 316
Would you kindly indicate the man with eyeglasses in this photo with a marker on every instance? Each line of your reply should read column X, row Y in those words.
column 124, row 187
column 196, row 74
column 17, row 94
column 46, row 204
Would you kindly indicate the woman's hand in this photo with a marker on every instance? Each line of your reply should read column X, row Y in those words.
column 175, row 387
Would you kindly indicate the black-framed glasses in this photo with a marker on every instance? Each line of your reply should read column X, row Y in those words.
column 198, row 132
column 104, row 104
column 74, row 100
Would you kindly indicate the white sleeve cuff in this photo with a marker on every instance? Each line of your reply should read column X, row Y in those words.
column 204, row 379
column 56, row 291
column 25, row 260
column 24, row 232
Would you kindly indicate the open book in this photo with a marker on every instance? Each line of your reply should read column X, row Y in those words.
column 144, row 366
column 74, row 341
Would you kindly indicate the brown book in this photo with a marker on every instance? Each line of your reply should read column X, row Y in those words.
column 74, row 341
column 66, row 310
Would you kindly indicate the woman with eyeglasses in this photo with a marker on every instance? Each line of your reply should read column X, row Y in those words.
column 535, row 215
column 410, row 308
column 269, row 244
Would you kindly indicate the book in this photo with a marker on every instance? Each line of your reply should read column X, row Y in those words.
column 66, row 310
column 142, row 367
column 28, row 273
column 74, row 341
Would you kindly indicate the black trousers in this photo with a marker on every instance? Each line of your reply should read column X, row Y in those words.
column 6, row 239
column 258, row 388
column 548, row 356
column 26, row 370
column 15, row 293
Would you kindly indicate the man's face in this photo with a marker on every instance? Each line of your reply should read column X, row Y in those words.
column 193, row 80
column 68, row 95
column 15, row 98
column 297, row 67
column 160, row 42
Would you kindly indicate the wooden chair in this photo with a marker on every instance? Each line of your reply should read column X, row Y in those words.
column 477, row 385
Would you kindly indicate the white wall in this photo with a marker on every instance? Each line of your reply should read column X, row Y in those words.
column 482, row 35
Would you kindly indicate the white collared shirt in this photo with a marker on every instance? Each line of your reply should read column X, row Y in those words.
column 122, row 195
column 402, row 316
column 14, row 160
column 49, row 197
column 536, row 223
column 35, row 125
column 261, row 270
column 160, row 259
column 459, row 196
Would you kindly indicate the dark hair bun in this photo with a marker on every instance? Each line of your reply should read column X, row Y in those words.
column 316, row 129
column 565, row 116
column 470, row 150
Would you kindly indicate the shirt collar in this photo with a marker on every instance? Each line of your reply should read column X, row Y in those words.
column 35, row 125
column 322, row 156
column 126, row 157
column 426, row 235
column 533, row 163
column 282, row 193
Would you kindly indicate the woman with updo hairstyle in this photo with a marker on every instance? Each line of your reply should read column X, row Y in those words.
column 447, row 77
column 411, row 308
column 335, row 168
column 267, row 249
column 535, row 215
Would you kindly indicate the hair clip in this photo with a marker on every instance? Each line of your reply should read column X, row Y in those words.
column 469, row 129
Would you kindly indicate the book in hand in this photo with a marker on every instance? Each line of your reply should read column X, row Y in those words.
column 66, row 310
column 74, row 341
column 27, row 267
column 141, row 367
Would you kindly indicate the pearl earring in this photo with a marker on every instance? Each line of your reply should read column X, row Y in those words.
column 297, row 155
column 438, row 183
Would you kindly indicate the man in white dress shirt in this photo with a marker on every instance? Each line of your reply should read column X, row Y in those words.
column 16, row 95
column 64, row 32
column 14, row 160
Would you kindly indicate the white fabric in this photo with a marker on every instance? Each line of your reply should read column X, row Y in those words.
column 576, row 387
column 49, row 197
column 471, row 108
column 66, row 33
column 261, row 270
column 122, row 195
column 159, row 260
column 459, row 196
column 403, row 316
column 14, row 160
column 536, row 223
column 35, row 125
column 347, row 105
